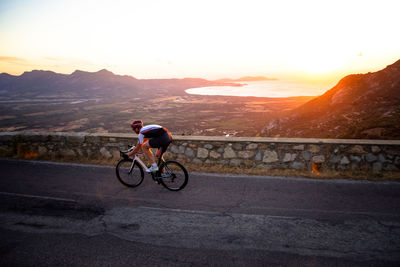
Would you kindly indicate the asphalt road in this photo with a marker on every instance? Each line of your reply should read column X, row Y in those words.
column 71, row 214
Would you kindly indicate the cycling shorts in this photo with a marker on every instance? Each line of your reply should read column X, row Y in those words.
column 162, row 141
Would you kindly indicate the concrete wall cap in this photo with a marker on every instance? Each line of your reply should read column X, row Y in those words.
column 222, row 139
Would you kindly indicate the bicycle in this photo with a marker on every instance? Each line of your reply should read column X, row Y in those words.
column 171, row 174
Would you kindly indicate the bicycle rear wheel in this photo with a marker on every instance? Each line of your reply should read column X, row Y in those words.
column 173, row 175
column 127, row 176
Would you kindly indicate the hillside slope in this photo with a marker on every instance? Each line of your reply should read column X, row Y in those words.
column 359, row 106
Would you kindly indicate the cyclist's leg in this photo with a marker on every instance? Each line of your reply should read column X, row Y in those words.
column 159, row 152
column 147, row 152
column 162, row 143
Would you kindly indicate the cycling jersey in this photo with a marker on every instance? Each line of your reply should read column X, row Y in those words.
column 159, row 137
column 151, row 131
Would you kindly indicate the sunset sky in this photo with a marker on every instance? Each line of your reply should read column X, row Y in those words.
column 303, row 40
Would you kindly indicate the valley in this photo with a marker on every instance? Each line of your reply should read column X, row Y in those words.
column 182, row 114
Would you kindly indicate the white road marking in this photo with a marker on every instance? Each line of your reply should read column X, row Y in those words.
column 329, row 211
column 37, row 197
column 266, row 208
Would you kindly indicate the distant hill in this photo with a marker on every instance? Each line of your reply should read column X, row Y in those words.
column 359, row 106
column 248, row 79
column 101, row 84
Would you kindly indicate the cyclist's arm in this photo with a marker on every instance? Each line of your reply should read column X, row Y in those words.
column 137, row 148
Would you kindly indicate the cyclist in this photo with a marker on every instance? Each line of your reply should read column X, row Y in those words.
column 150, row 136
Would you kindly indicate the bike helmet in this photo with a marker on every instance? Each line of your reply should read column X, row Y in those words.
column 137, row 123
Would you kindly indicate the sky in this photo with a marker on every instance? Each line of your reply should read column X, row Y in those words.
column 308, row 40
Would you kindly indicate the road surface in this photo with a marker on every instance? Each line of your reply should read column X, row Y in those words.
column 72, row 214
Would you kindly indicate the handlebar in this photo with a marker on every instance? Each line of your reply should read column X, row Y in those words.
column 122, row 152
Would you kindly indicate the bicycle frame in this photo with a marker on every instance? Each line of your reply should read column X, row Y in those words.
column 138, row 160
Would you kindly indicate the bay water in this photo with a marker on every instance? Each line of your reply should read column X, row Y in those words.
column 273, row 88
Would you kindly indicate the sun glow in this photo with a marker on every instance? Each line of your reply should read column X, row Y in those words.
column 208, row 39
column 319, row 63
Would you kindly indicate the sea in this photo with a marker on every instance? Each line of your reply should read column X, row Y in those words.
column 272, row 88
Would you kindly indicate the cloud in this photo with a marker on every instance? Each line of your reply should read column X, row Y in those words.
column 12, row 59
column 52, row 58
column 67, row 61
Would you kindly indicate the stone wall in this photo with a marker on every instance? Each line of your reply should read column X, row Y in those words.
column 263, row 153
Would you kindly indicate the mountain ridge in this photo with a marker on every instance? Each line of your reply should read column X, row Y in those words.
column 359, row 106
column 102, row 83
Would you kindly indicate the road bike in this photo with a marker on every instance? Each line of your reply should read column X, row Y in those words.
column 171, row 174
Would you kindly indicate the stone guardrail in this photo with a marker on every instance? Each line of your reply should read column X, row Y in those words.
column 240, row 152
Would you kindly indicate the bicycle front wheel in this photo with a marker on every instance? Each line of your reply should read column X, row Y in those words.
column 173, row 175
column 129, row 175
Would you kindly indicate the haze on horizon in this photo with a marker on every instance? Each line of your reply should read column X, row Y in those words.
column 312, row 41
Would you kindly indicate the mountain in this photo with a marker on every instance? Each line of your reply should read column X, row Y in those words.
column 359, row 106
column 81, row 84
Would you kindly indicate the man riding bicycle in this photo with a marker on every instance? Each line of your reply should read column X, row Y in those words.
column 150, row 136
